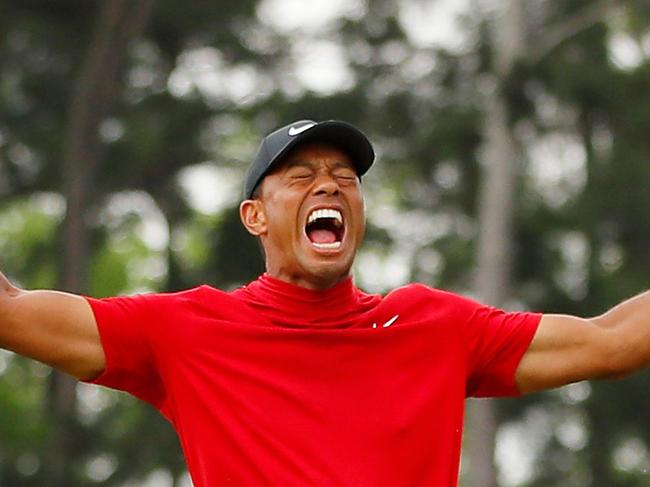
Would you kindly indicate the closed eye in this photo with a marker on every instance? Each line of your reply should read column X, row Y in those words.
column 346, row 176
column 300, row 174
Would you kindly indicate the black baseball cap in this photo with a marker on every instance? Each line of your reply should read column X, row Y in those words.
column 277, row 144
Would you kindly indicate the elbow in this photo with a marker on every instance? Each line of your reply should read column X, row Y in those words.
column 617, row 371
column 621, row 357
column 620, row 373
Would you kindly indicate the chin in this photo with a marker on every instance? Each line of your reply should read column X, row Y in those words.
column 327, row 274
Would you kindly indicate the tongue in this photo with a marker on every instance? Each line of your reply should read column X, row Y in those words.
column 322, row 236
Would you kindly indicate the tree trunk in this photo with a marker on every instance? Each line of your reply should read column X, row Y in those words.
column 495, row 222
column 118, row 23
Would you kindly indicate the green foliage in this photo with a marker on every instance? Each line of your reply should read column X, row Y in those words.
column 27, row 239
column 423, row 108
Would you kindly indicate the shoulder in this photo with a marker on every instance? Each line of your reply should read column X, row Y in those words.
column 161, row 303
column 197, row 293
column 421, row 293
column 425, row 302
column 194, row 299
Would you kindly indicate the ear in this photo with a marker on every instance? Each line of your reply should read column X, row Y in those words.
column 252, row 216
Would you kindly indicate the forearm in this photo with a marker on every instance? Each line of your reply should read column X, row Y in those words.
column 629, row 324
column 52, row 327
column 8, row 293
column 568, row 349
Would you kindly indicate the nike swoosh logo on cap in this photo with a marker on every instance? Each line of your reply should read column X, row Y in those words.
column 293, row 131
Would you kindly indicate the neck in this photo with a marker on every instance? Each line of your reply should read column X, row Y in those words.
column 313, row 283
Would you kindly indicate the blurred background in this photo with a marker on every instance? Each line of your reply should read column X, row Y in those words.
column 513, row 143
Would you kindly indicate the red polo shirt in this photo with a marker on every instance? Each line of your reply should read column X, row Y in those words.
column 277, row 385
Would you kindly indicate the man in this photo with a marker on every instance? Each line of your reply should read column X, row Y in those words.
column 299, row 378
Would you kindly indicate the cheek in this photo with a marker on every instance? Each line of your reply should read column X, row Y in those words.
column 358, row 206
column 361, row 230
column 281, row 220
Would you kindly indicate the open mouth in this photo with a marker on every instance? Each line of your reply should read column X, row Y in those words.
column 325, row 228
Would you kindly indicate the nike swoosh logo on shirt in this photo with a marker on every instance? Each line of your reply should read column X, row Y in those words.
column 388, row 323
column 293, row 131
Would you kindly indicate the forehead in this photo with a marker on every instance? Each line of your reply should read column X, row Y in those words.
column 314, row 154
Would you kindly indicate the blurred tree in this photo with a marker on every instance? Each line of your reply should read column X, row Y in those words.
column 501, row 171
column 572, row 251
column 119, row 23
column 205, row 80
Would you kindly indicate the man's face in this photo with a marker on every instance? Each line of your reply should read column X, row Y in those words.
column 309, row 216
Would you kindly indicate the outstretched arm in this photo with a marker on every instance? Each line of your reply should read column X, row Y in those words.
column 568, row 349
column 52, row 327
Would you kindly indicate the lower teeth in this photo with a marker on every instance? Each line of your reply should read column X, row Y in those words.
column 333, row 245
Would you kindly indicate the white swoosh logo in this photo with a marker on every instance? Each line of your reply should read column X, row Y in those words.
column 293, row 131
column 388, row 323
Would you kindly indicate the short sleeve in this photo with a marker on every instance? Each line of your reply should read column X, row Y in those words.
column 495, row 342
column 124, row 324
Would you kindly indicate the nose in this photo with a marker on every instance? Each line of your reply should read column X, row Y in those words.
column 326, row 185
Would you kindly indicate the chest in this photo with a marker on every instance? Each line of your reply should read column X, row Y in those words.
column 320, row 407
column 385, row 375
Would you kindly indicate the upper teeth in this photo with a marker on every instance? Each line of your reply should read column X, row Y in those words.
column 325, row 213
